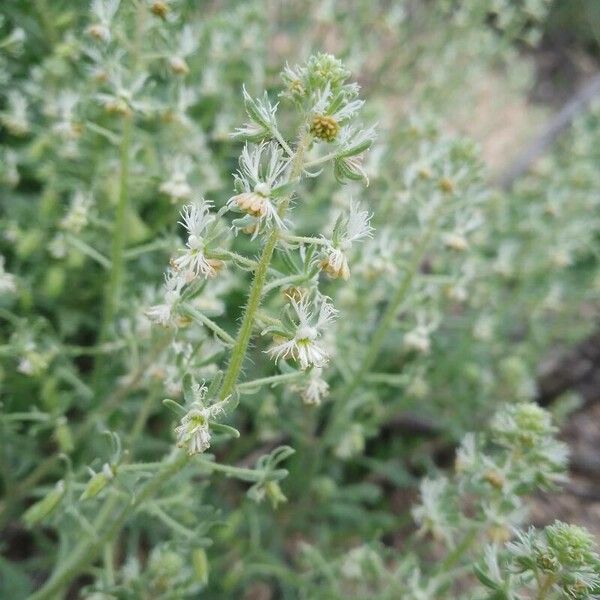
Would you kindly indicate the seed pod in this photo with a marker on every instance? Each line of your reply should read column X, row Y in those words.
column 40, row 510
column 200, row 565
column 97, row 483
column 63, row 436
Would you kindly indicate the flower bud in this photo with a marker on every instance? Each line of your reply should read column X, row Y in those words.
column 494, row 478
column 117, row 106
column 178, row 65
column 446, row 185
column 251, row 203
column 336, row 265
column 324, row 127
column 456, row 242
column 159, row 9
column 498, row 534
column 274, row 494
column 99, row 32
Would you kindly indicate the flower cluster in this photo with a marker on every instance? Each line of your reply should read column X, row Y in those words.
column 559, row 559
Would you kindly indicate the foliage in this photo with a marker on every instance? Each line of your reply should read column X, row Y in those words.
column 228, row 432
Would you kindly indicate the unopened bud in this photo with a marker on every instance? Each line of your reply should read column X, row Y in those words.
column 336, row 265
column 494, row 478
column 251, row 203
column 178, row 65
column 456, row 242
column 324, row 127
column 99, row 32
column 159, row 8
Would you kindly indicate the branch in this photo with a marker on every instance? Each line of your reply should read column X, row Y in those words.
column 557, row 124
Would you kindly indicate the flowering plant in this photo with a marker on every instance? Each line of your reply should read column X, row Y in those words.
column 224, row 292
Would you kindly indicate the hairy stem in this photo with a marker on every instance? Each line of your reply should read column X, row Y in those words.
column 385, row 324
column 260, row 275
column 115, row 280
column 391, row 311
column 545, row 587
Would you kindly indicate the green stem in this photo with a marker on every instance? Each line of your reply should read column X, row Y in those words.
column 260, row 274
column 107, row 525
column 88, row 251
column 543, row 590
column 385, row 324
column 387, row 320
column 459, row 551
column 302, row 239
column 115, row 281
column 210, row 324
column 288, row 280
column 321, row 160
column 273, row 379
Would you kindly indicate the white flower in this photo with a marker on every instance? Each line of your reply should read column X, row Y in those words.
column 103, row 11
column 434, row 513
column 418, row 339
column 316, row 388
column 163, row 313
column 351, row 443
column 188, row 44
column 261, row 171
column 15, row 118
column 194, row 430
column 352, row 228
column 63, row 109
column 335, row 264
column 177, row 186
column 357, row 226
column 305, row 346
column 324, row 99
column 455, row 241
column 196, row 218
column 378, row 256
column 8, row 282
column 77, row 216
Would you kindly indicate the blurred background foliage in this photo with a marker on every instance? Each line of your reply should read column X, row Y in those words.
column 457, row 89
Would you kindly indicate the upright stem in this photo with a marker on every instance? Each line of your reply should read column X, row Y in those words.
column 115, row 280
column 391, row 311
column 260, row 274
column 384, row 325
column 108, row 525
column 545, row 587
